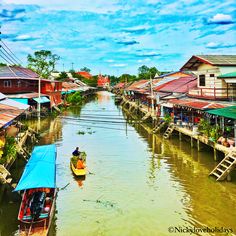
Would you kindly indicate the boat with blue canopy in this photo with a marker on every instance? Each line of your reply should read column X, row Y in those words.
column 38, row 182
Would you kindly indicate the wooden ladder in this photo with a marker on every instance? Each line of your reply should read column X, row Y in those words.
column 158, row 127
column 146, row 116
column 222, row 170
column 169, row 131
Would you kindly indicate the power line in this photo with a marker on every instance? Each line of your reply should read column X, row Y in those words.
column 8, row 55
column 5, row 59
column 12, row 52
column 12, row 62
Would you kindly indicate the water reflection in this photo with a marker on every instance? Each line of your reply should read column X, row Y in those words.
column 142, row 183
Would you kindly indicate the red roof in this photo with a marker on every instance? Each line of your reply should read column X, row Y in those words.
column 181, row 85
column 69, row 86
column 8, row 113
column 196, row 104
column 85, row 74
column 119, row 85
column 137, row 85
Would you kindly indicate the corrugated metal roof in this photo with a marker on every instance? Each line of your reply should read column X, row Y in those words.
column 16, row 72
column 2, row 96
column 8, row 114
column 229, row 112
column 26, row 95
column 228, row 75
column 218, row 60
column 11, row 102
column 181, row 85
column 137, row 84
column 196, row 104
column 119, row 85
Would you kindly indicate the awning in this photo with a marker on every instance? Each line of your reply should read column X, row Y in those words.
column 68, row 92
column 229, row 112
column 9, row 113
column 21, row 100
column 196, row 104
column 14, row 103
column 40, row 171
column 41, row 100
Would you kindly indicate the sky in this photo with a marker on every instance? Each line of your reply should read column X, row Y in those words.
column 118, row 36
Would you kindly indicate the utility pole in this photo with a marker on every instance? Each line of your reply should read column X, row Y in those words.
column 63, row 67
column 152, row 102
column 72, row 66
column 39, row 96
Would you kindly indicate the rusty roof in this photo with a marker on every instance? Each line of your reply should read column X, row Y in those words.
column 216, row 60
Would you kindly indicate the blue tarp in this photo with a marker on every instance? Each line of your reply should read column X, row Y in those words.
column 41, row 100
column 40, row 171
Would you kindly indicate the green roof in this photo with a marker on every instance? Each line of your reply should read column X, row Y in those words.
column 229, row 112
column 228, row 75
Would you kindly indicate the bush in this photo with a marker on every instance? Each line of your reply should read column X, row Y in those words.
column 9, row 150
column 75, row 98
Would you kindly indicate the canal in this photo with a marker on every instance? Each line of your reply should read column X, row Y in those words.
column 140, row 184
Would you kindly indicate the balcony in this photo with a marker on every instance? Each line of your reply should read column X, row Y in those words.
column 213, row 93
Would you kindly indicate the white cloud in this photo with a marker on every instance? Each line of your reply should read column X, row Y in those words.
column 98, row 6
column 118, row 65
column 109, row 61
column 212, row 45
column 23, row 37
column 221, row 18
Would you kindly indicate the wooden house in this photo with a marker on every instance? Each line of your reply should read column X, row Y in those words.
column 209, row 70
column 18, row 80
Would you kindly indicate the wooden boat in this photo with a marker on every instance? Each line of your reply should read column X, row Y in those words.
column 73, row 160
column 39, row 184
column 77, row 172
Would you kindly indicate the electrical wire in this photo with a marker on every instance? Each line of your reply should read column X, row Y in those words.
column 11, row 51
column 9, row 55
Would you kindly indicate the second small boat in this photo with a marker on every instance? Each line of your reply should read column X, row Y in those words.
column 73, row 163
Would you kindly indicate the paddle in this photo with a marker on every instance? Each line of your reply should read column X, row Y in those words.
column 90, row 172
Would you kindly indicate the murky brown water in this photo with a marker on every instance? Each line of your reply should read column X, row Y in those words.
column 142, row 184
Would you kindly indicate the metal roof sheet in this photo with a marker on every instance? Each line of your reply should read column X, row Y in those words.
column 229, row 112
column 196, row 104
column 228, row 75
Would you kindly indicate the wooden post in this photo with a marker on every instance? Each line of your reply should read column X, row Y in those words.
column 192, row 141
column 180, row 136
column 215, row 154
column 198, row 145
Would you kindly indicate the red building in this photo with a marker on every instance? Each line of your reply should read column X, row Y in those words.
column 18, row 80
column 85, row 74
column 103, row 81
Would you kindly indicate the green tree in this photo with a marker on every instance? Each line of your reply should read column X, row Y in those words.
column 42, row 62
column 85, row 69
column 127, row 78
column 62, row 76
column 145, row 72
column 143, row 69
column 153, row 72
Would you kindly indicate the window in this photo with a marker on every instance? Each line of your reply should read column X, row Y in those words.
column 18, row 83
column 212, row 75
column 202, row 80
column 7, row 83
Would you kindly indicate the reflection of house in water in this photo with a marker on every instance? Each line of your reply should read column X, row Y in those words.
column 52, row 128
column 103, row 97
column 188, row 170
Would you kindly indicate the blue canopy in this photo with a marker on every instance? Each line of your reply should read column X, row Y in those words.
column 41, row 100
column 40, row 171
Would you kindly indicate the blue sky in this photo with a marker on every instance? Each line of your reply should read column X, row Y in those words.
column 118, row 36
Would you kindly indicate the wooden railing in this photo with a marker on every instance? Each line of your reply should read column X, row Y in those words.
column 213, row 93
